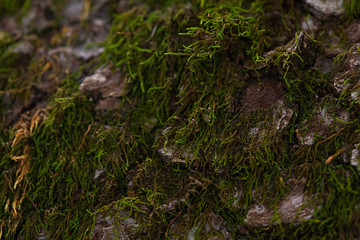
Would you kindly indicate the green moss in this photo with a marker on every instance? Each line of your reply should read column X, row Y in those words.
column 8, row 7
column 224, row 27
column 352, row 8
column 188, row 66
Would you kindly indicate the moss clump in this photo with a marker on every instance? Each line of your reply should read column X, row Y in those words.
column 352, row 8
column 195, row 141
column 212, row 139
column 8, row 7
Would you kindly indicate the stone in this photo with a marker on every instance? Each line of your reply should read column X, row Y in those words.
column 262, row 95
column 324, row 64
column 24, row 48
column 353, row 31
column 98, row 173
column 259, row 215
column 10, row 26
column 350, row 70
column 93, row 82
column 150, row 123
column 87, row 54
column 354, row 160
column 293, row 208
column 217, row 223
column 309, row 25
column 174, row 156
column 106, row 83
column 108, row 104
column 210, row 226
column 37, row 18
column 107, row 228
column 64, row 60
column 340, row 83
column 170, row 205
column 325, row 121
column 80, row 52
column 324, row 8
column 282, row 115
column 42, row 235
column 355, row 95
column 73, row 11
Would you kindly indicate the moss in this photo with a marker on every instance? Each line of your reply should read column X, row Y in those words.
column 352, row 8
column 189, row 66
column 8, row 7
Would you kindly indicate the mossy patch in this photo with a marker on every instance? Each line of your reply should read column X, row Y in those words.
column 224, row 96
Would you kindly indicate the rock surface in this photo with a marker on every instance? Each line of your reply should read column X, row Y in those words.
column 262, row 95
column 326, row 120
column 350, row 70
column 209, row 226
column 107, row 227
column 327, row 7
column 105, row 87
column 294, row 207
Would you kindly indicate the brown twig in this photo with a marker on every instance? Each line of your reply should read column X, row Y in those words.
column 30, row 200
column 343, row 149
column 333, row 135
column 172, row 221
column 86, row 133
